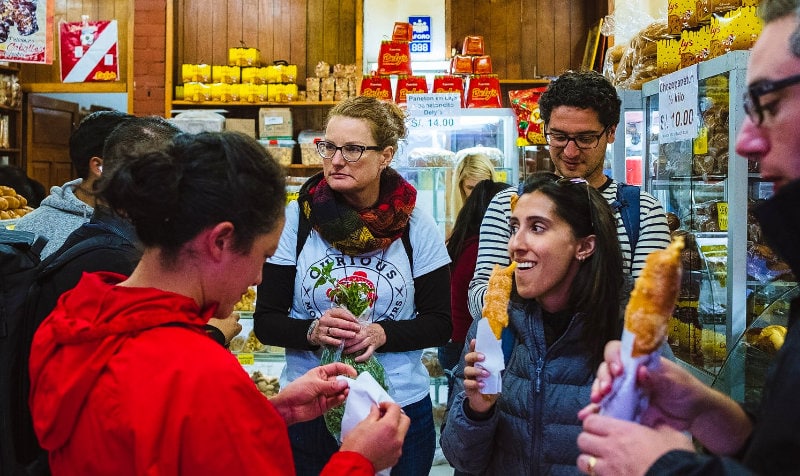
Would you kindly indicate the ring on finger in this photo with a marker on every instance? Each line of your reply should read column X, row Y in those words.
column 328, row 332
column 590, row 465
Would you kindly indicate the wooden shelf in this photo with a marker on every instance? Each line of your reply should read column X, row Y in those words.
column 221, row 104
column 88, row 87
column 527, row 82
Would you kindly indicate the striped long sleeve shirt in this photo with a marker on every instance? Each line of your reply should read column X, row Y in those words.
column 495, row 233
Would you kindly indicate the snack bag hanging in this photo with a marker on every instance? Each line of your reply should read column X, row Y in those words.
column 530, row 126
column 89, row 51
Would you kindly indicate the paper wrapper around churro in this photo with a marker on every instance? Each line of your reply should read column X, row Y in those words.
column 646, row 323
column 490, row 328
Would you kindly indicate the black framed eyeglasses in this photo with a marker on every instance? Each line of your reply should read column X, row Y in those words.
column 752, row 97
column 350, row 152
column 582, row 141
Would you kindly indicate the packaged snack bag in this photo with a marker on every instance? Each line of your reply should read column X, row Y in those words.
column 409, row 85
column 449, row 84
column 484, row 91
column 394, row 57
column 530, row 126
column 377, row 87
column 403, row 31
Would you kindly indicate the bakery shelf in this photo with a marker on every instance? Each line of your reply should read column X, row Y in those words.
column 251, row 104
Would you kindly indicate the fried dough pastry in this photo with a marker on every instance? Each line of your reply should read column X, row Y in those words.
column 653, row 298
column 513, row 201
column 495, row 304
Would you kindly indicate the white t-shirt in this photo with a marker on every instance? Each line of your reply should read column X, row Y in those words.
column 387, row 272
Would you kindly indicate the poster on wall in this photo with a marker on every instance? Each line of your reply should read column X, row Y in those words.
column 26, row 31
column 89, row 51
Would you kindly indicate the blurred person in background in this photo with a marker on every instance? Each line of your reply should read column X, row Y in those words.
column 72, row 204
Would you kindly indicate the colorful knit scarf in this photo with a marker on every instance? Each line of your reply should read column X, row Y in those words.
column 355, row 232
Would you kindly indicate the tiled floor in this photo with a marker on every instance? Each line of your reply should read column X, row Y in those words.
column 441, row 470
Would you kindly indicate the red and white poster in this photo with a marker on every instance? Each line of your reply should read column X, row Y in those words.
column 89, row 51
column 26, row 31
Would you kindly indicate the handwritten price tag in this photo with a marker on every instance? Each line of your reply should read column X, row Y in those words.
column 677, row 105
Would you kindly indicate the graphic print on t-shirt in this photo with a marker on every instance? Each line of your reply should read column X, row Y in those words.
column 383, row 278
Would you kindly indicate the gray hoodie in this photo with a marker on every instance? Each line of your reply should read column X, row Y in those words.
column 59, row 214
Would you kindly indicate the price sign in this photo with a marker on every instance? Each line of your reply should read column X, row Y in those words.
column 677, row 106
column 432, row 110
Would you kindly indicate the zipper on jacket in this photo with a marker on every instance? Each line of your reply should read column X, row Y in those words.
column 539, row 366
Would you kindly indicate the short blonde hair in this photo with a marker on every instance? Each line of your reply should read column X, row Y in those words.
column 474, row 166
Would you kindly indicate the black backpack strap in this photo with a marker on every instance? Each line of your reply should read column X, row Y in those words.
column 627, row 203
column 407, row 245
column 303, row 230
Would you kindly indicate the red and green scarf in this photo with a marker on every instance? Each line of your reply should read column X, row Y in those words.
column 355, row 232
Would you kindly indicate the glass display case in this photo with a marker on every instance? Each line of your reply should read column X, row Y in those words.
column 429, row 154
column 730, row 276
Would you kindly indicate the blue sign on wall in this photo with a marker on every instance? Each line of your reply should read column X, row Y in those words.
column 421, row 34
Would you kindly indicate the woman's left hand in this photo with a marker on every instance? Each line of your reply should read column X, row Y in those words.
column 369, row 338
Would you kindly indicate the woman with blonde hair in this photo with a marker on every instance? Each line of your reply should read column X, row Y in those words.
column 471, row 169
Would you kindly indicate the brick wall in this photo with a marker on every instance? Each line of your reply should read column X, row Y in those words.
column 149, row 54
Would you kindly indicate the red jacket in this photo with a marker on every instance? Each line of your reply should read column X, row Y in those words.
column 125, row 381
column 463, row 268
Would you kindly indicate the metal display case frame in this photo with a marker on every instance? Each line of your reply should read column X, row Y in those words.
column 732, row 186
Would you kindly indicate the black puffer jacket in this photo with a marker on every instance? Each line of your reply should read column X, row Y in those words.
column 534, row 426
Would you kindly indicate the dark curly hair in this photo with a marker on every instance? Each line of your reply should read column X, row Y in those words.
column 585, row 90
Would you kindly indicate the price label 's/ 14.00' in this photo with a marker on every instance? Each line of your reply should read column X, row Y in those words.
column 431, row 122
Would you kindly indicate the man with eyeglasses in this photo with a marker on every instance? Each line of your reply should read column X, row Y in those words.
column 580, row 110
column 766, row 440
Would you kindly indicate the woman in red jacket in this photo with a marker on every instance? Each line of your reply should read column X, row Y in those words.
column 124, row 379
column 462, row 246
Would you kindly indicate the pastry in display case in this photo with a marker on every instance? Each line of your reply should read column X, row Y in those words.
column 262, row 362
column 743, row 374
column 730, row 274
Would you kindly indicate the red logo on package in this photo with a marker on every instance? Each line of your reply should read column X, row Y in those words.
column 376, row 87
column 410, row 85
column 449, row 84
column 394, row 57
column 89, row 51
column 484, row 92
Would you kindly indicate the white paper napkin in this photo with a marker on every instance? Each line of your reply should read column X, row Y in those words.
column 365, row 391
column 492, row 349
column 627, row 401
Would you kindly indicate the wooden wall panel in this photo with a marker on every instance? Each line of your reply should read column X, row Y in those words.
column 302, row 32
column 71, row 11
column 527, row 38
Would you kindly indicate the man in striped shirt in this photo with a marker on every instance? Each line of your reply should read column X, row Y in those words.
column 580, row 112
